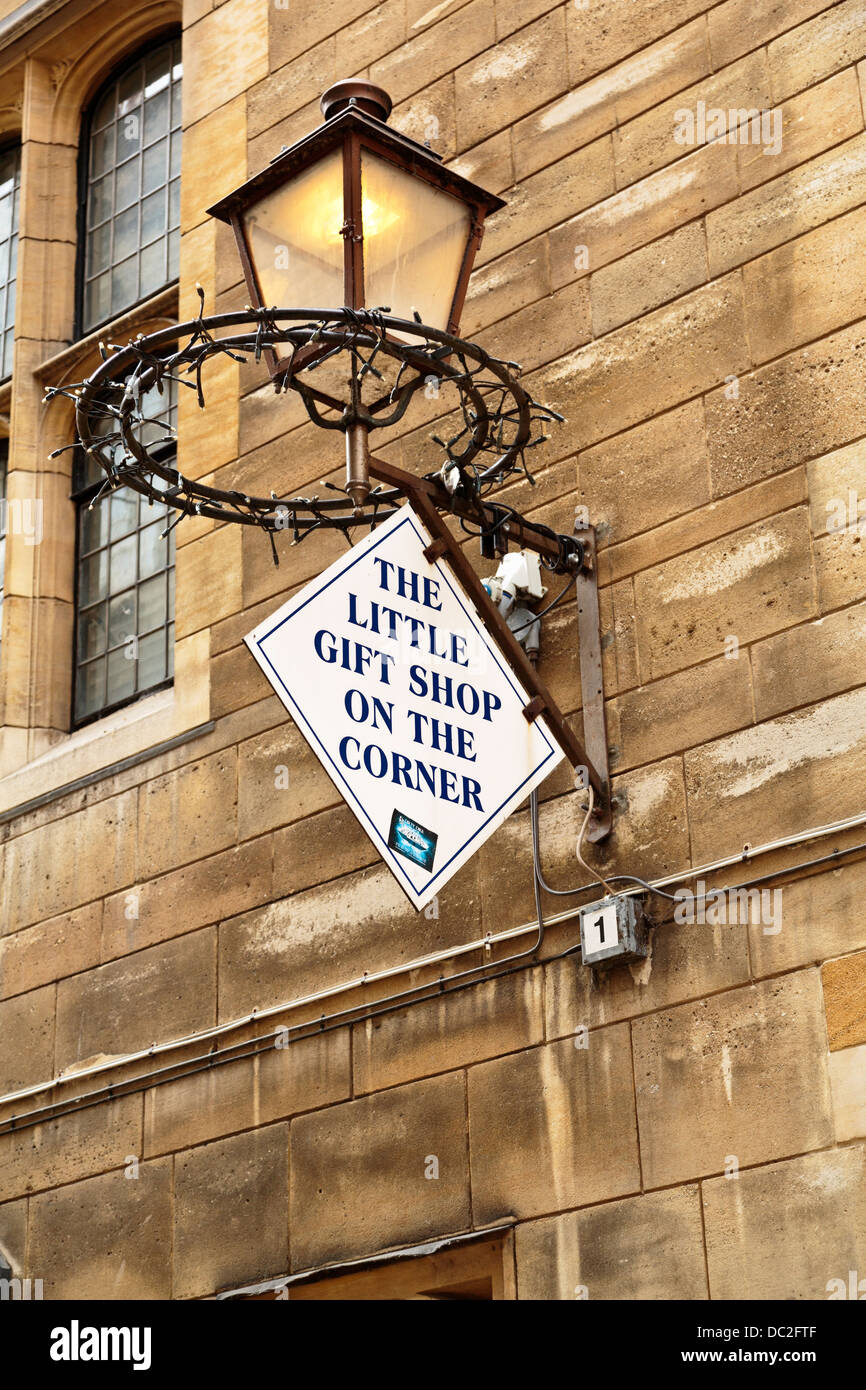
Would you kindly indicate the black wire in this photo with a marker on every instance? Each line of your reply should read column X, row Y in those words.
column 254, row 1046
column 522, row 961
column 690, row 874
column 536, row 861
column 559, row 597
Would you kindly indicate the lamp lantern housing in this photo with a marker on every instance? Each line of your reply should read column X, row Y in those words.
column 357, row 215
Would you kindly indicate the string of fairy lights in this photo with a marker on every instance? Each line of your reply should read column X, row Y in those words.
column 494, row 422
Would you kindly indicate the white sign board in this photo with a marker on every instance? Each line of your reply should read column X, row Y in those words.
column 387, row 669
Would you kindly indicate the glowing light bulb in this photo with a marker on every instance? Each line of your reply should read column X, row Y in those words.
column 376, row 219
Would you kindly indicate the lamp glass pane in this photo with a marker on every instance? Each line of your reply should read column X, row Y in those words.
column 293, row 235
column 415, row 237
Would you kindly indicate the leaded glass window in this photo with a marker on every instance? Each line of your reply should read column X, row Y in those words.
column 132, row 202
column 10, row 192
column 125, row 581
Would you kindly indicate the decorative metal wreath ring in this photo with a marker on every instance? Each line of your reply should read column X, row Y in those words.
column 497, row 417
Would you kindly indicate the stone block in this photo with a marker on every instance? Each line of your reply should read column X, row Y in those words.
column 644, row 477
column 546, row 329
column 231, row 1212
column 823, row 45
column 649, row 142
column 591, row 109
column 648, row 1247
column 71, row 861
column 821, row 917
column 765, row 777
column 787, row 206
column 214, row 160
column 840, row 564
column 501, row 287
column 553, row 1127
column 208, row 579
column 685, row 962
column 71, row 1147
column 832, row 480
column 223, row 55
column 512, row 77
column 431, row 52
column 848, row 1087
column 386, row 1170
column 625, row 377
column 448, row 1031
column 194, row 896
column 296, row 84
column 845, row 1000
column 108, row 1237
column 341, row 846
column 61, row 946
column 651, row 831
column 603, row 33
column 740, row 25
column 636, row 216
column 746, row 585
column 647, row 278
column 13, row 1236
column 804, row 290
column 706, row 523
column 164, row 992
column 813, row 122
column 27, row 1039
column 280, row 780
column 430, row 115
column 303, row 25
column 46, row 528
column 577, row 181
column 244, row 1092
column 680, row 711
column 787, row 1230
column 488, row 164
column 237, row 680
column 336, row 931
column 808, row 663
column 188, row 814
column 788, row 412
column 371, row 36
column 739, row 1075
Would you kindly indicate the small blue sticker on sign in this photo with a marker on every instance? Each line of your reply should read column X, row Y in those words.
column 409, row 838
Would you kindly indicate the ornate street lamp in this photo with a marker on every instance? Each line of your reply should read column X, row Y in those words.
column 357, row 216
column 357, row 246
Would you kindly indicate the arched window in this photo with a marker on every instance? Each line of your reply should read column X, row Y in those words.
column 10, row 184
column 131, row 186
column 124, row 644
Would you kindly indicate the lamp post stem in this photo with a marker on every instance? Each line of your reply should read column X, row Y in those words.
column 357, row 464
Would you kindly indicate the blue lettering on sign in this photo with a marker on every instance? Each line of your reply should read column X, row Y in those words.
column 410, row 839
column 431, row 737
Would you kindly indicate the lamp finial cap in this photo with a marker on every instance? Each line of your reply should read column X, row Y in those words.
column 369, row 98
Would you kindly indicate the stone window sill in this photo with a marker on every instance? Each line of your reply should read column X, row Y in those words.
column 125, row 735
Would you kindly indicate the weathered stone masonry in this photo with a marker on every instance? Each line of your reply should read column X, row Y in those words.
column 699, row 316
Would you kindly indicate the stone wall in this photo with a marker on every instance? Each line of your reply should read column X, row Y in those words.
column 694, row 1127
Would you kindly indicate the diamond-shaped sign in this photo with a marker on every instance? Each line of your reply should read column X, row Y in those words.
column 387, row 669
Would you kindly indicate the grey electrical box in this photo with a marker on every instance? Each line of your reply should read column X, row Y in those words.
column 612, row 932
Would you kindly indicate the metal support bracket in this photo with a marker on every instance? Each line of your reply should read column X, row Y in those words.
column 592, row 680
column 593, row 759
